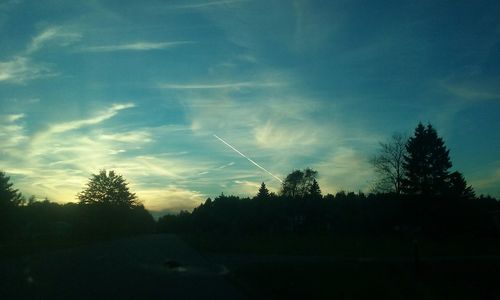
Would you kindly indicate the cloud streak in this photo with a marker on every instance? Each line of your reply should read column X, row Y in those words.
column 249, row 159
column 216, row 86
column 111, row 112
column 139, row 46
column 129, row 137
column 207, row 4
column 472, row 93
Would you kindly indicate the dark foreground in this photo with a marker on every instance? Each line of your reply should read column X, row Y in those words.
column 378, row 279
column 165, row 267
column 384, row 267
column 145, row 267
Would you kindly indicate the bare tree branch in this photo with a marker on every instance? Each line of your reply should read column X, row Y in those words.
column 388, row 164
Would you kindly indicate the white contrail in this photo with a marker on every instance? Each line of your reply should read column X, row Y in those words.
column 249, row 159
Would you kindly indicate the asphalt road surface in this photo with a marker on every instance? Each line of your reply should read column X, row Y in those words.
column 145, row 267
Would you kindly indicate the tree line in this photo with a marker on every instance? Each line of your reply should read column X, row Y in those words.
column 106, row 209
column 415, row 193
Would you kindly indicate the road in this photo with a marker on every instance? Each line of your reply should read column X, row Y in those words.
column 145, row 267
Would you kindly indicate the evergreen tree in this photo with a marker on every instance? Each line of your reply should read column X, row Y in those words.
column 314, row 190
column 263, row 192
column 426, row 163
column 9, row 197
column 458, row 187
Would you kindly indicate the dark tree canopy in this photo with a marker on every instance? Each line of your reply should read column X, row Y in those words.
column 108, row 188
column 8, row 195
column 298, row 183
column 314, row 190
column 388, row 164
column 426, row 163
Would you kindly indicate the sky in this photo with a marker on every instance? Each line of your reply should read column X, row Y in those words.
column 170, row 93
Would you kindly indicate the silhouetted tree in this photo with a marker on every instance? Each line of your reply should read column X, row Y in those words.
column 298, row 183
column 9, row 197
column 263, row 192
column 426, row 164
column 458, row 187
column 388, row 164
column 291, row 184
column 108, row 188
column 31, row 200
column 314, row 190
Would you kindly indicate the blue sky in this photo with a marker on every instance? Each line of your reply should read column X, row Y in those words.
column 143, row 87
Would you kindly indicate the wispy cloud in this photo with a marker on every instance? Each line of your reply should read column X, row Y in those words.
column 206, row 4
column 172, row 198
column 128, row 137
column 56, row 34
column 14, row 118
column 57, row 161
column 282, row 136
column 488, row 179
column 11, row 134
column 471, row 93
column 139, row 46
column 344, row 169
column 248, row 188
column 72, row 125
column 286, row 132
column 20, row 69
column 216, row 86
